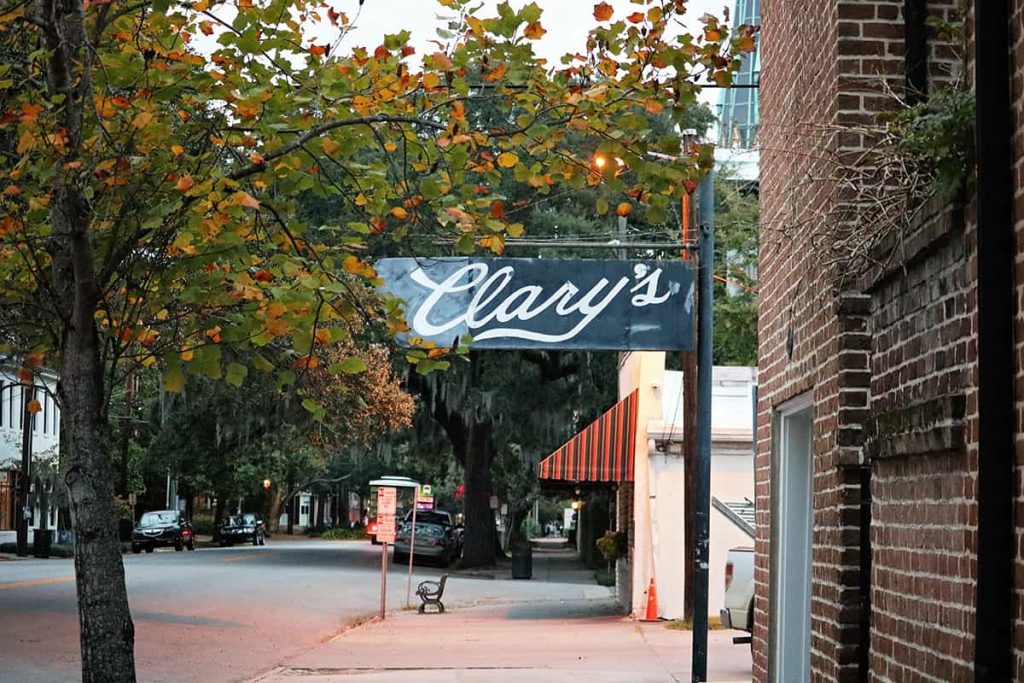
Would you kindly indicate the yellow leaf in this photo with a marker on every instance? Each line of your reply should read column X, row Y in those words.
column 242, row 198
column 322, row 336
column 186, row 356
column 399, row 213
column 534, row 30
column 353, row 265
column 507, row 160
column 431, row 81
column 390, row 146
column 277, row 327
column 142, row 119
column 34, row 406
column 330, row 146
column 177, row 150
column 361, row 199
column 603, row 11
column 185, row 183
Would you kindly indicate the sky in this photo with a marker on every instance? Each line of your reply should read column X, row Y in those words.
column 567, row 23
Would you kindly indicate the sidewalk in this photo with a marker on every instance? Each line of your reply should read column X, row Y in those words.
column 515, row 642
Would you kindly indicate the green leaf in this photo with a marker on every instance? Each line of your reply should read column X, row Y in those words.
column 349, row 366
column 285, row 379
column 236, row 374
column 207, row 361
column 174, row 377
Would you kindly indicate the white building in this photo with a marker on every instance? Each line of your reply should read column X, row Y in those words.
column 45, row 441
column 636, row 450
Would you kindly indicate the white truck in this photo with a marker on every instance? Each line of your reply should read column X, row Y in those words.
column 738, row 612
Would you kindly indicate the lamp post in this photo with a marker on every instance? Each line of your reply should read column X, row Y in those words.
column 702, row 502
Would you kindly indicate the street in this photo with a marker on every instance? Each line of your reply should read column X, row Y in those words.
column 227, row 614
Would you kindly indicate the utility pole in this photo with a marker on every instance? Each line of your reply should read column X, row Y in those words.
column 702, row 499
column 688, row 362
column 127, row 424
column 28, row 390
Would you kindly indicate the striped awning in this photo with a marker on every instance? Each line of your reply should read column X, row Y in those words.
column 601, row 452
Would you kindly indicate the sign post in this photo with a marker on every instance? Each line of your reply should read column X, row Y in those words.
column 706, row 198
column 412, row 544
column 387, row 502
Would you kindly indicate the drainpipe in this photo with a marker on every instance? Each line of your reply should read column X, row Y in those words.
column 993, row 634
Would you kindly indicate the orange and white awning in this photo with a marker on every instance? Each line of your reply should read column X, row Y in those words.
column 603, row 452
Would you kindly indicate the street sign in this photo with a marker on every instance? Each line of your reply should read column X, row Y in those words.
column 505, row 303
column 386, row 528
column 426, row 491
column 425, row 502
column 387, row 501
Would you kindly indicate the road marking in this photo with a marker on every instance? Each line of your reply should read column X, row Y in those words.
column 35, row 582
column 250, row 556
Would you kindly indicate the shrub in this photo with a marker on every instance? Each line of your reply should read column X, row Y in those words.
column 340, row 534
column 202, row 524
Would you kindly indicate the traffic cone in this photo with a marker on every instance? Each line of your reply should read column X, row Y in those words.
column 652, row 603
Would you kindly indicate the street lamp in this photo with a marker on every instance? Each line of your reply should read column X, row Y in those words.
column 266, row 484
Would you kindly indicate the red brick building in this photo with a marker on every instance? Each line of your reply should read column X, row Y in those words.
column 890, row 430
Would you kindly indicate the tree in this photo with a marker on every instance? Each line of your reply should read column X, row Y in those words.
column 218, row 439
column 736, row 239
column 148, row 185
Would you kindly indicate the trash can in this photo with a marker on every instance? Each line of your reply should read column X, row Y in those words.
column 522, row 561
column 125, row 527
column 41, row 541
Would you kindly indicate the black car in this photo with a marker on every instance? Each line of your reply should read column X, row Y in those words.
column 243, row 528
column 436, row 538
column 163, row 528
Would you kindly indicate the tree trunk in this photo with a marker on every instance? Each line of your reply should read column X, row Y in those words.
column 218, row 514
column 292, row 504
column 106, row 631
column 480, row 537
column 107, row 634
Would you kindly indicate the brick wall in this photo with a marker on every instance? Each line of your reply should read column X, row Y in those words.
column 826, row 71
column 923, row 404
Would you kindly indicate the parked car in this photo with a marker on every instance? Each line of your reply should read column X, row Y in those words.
column 738, row 612
column 437, row 537
column 247, row 527
column 163, row 528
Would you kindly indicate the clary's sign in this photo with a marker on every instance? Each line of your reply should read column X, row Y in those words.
column 505, row 303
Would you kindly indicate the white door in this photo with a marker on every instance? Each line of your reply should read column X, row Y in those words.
column 792, row 608
column 303, row 510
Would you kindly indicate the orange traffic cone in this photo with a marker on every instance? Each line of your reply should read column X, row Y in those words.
column 652, row 603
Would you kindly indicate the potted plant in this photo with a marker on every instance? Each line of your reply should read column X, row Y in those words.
column 613, row 547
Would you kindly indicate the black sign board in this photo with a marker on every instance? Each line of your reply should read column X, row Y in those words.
column 506, row 303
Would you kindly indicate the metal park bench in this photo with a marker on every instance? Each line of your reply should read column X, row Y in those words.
column 430, row 593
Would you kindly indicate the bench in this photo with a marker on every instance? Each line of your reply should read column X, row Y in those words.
column 430, row 593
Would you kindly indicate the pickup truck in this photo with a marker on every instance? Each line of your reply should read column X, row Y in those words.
column 738, row 612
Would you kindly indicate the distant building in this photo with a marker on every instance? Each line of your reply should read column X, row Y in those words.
column 739, row 116
column 739, row 113
column 45, row 439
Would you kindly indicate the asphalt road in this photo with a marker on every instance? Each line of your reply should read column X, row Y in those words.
column 224, row 614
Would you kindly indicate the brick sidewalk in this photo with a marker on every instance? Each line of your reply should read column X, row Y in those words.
column 513, row 643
